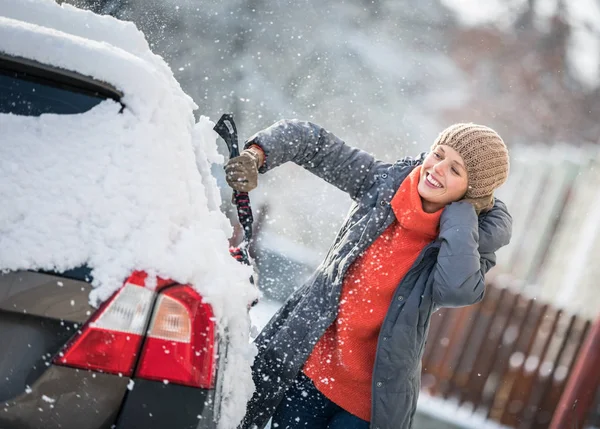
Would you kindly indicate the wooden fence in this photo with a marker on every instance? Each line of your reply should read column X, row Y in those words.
column 508, row 358
column 553, row 196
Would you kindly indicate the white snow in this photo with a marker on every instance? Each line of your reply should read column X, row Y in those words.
column 118, row 191
column 261, row 313
column 48, row 399
column 450, row 412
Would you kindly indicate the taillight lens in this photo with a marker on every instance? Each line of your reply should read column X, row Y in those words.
column 180, row 343
column 111, row 339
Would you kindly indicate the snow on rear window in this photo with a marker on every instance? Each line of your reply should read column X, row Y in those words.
column 119, row 191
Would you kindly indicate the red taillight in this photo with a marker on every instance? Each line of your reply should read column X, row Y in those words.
column 110, row 341
column 180, row 343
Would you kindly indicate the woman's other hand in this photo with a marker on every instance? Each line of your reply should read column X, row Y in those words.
column 481, row 204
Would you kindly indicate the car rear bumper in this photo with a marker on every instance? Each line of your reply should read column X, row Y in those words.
column 153, row 404
column 66, row 398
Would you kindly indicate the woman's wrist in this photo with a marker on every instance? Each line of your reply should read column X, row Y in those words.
column 258, row 152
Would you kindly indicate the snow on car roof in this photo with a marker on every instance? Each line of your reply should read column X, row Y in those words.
column 78, row 22
column 118, row 190
column 101, row 47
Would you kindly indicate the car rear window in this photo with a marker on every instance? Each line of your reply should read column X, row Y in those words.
column 83, row 273
column 25, row 95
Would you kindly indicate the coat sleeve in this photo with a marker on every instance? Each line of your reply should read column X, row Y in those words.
column 310, row 146
column 467, row 252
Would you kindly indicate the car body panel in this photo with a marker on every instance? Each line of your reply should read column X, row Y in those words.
column 39, row 314
column 45, row 295
column 66, row 398
column 37, row 317
column 146, row 407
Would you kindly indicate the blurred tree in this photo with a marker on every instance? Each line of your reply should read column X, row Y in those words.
column 523, row 79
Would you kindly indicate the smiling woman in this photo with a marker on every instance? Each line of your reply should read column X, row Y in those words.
column 344, row 351
column 466, row 161
column 443, row 179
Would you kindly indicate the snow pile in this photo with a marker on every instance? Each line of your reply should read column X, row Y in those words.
column 118, row 191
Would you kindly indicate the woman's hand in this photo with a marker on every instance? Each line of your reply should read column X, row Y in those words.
column 241, row 172
column 481, row 204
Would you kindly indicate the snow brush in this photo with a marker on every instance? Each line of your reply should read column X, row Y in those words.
column 228, row 132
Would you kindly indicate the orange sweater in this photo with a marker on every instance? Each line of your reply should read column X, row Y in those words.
column 341, row 362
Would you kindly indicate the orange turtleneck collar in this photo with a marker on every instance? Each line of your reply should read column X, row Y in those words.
column 408, row 207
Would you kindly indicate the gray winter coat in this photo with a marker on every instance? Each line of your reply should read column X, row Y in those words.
column 449, row 272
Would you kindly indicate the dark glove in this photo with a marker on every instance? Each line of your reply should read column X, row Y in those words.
column 241, row 172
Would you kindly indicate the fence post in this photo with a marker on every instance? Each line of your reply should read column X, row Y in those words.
column 580, row 391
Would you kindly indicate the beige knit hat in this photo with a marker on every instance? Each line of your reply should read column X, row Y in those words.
column 484, row 153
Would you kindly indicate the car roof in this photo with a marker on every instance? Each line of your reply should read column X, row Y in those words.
column 77, row 22
column 100, row 47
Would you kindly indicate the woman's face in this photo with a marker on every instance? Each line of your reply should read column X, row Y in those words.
column 443, row 178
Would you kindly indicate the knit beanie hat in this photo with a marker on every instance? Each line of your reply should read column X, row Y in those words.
column 484, row 153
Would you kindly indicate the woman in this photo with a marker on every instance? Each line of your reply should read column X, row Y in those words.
column 344, row 351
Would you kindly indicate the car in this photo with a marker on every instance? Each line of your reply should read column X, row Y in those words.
column 66, row 364
column 148, row 353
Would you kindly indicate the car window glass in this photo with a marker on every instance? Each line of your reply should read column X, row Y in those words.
column 83, row 273
column 27, row 96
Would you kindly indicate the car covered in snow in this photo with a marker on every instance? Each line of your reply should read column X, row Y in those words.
column 120, row 306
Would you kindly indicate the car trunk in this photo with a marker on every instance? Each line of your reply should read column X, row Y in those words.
column 39, row 314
